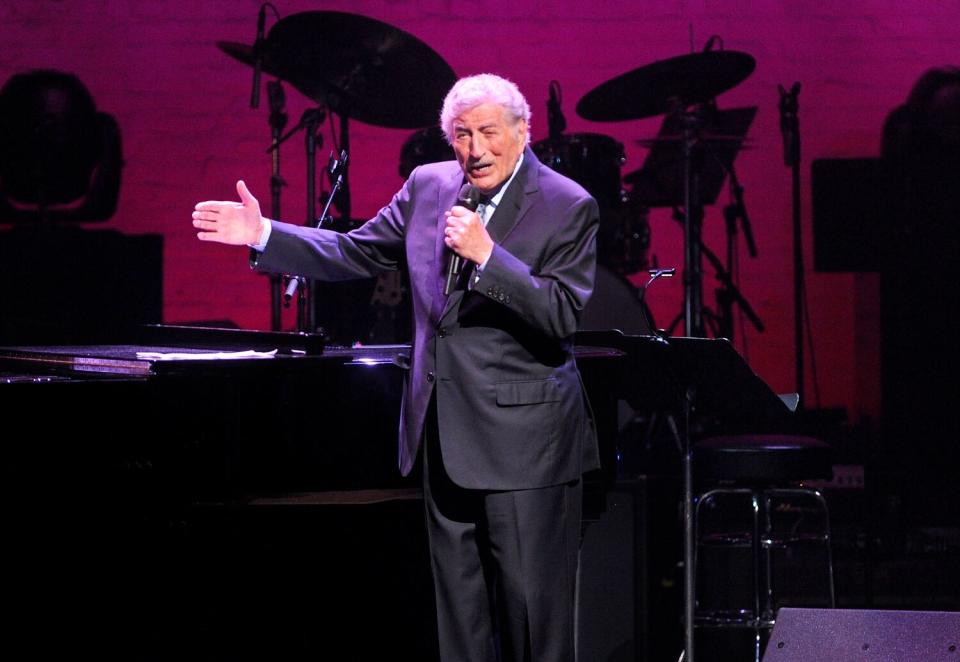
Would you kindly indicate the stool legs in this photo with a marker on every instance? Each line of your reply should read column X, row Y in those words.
column 824, row 537
column 762, row 539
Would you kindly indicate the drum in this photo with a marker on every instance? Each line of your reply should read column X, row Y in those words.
column 424, row 146
column 623, row 240
column 616, row 304
column 590, row 159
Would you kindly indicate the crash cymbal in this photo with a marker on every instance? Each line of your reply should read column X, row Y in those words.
column 360, row 68
column 657, row 88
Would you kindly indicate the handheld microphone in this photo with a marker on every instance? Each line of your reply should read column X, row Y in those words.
column 469, row 197
column 258, row 57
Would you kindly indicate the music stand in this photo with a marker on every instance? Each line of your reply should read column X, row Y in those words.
column 702, row 379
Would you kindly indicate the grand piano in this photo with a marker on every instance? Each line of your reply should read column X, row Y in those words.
column 164, row 504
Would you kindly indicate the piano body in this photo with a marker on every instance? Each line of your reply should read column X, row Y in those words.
column 241, row 508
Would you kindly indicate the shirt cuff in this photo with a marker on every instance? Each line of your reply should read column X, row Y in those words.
column 478, row 270
column 266, row 227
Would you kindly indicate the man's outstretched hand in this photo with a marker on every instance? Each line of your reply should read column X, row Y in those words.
column 236, row 223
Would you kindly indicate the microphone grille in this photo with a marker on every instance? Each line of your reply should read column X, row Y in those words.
column 469, row 197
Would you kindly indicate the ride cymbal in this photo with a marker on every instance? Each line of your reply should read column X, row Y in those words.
column 659, row 87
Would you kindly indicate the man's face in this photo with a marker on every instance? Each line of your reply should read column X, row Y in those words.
column 488, row 145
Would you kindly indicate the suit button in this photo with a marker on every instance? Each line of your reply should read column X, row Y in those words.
column 490, row 291
column 431, row 377
column 506, row 299
column 442, row 332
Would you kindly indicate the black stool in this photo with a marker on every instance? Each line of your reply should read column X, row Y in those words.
column 765, row 474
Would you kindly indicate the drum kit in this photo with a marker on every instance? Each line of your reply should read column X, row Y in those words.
column 684, row 169
column 359, row 68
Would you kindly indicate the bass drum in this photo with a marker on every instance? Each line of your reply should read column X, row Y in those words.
column 590, row 159
column 616, row 304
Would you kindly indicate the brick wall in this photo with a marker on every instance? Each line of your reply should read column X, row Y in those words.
column 188, row 131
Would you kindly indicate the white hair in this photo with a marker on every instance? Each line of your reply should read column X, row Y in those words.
column 472, row 91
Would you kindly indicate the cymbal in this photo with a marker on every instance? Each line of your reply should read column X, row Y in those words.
column 654, row 89
column 360, row 68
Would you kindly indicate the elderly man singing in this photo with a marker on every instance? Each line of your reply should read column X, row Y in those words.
column 493, row 395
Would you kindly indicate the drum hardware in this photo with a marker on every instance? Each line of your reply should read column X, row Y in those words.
column 679, row 87
column 356, row 68
column 790, row 128
column 659, row 181
column 721, row 323
column 594, row 161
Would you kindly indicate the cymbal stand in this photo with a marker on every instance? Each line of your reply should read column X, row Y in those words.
column 728, row 294
column 277, row 120
column 790, row 128
column 721, row 324
column 738, row 209
column 691, row 120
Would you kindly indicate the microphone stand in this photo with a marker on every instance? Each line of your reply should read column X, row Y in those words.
column 278, row 120
column 790, row 128
column 739, row 209
column 258, row 50
column 309, row 122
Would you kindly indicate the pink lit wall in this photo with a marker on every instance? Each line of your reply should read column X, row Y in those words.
column 188, row 131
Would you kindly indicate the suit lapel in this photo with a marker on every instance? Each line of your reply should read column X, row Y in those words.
column 517, row 199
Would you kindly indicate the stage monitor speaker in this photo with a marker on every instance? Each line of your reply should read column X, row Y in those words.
column 830, row 635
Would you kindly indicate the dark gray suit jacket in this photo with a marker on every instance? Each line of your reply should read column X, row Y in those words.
column 510, row 406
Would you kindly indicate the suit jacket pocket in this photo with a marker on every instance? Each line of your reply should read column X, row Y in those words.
column 528, row 392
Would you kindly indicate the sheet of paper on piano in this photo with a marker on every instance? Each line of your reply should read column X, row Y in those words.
column 206, row 356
